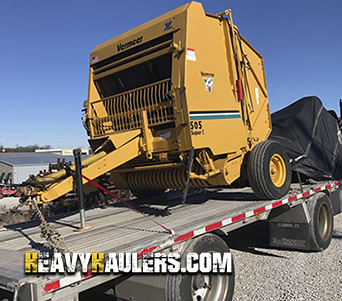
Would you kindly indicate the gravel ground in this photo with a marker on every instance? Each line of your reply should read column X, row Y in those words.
column 268, row 274
column 8, row 202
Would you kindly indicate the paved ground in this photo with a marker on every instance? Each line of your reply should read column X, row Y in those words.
column 267, row 274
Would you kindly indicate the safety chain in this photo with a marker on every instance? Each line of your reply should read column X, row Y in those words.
column 294, row 191
column 48, row 232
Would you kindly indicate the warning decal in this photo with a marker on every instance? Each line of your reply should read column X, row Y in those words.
column 190, row 54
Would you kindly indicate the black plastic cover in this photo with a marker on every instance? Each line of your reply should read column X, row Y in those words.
column 311, row 137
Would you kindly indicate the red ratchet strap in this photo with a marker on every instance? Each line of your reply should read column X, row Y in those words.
column 127, row 204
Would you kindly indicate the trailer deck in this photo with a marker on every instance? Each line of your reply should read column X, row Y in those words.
column 115, row 228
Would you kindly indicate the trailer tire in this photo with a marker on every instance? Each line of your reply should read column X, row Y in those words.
column 191, row 287
column 143, row 194
column 322, row 222
column 269, row 170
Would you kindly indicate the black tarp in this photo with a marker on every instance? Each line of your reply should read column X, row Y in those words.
column 312, row 138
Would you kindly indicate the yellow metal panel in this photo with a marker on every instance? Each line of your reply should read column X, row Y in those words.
column 208, row 60
column 148, row 31
column 260, row 117
column 122, row 138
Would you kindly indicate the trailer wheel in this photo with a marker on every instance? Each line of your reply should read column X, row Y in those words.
column 143, row 194
column 322, row 222
column 200, row 286
column 269, row 171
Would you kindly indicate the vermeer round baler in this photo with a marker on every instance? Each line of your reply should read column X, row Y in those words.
column 178, row 102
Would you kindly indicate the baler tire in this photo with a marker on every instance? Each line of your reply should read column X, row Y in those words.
column 182, row 286
column 143, row 194
column 321, row 223
column 269, row 170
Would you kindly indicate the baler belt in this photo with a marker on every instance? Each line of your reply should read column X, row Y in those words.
column 127, row 204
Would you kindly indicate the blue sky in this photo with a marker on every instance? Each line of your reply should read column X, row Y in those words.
column 45, row 48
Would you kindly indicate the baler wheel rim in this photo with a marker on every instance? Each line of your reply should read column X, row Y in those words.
column 277, row 170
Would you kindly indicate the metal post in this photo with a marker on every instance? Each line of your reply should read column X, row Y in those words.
column 187, row 174
column 79, row 186
column 300, row 181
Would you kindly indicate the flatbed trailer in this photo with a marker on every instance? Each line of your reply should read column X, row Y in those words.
column 115, row 228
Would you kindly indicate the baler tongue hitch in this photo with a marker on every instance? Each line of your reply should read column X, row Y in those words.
column 96, row 165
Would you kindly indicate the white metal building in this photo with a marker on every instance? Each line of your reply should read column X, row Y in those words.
column 22, row 165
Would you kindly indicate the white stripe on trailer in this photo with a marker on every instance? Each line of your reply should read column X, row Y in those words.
column 66, row 281
column 250, row 213
column 199, row 231
column 226, row 222
column 268, row 207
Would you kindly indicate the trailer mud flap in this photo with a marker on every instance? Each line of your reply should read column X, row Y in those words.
column 290, row 229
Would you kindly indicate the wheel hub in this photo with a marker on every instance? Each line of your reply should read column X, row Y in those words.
column 200, row 285
column 277, row 170
column 198, row 282
column 324, row 224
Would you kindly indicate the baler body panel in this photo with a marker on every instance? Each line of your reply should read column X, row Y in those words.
column 214, row 111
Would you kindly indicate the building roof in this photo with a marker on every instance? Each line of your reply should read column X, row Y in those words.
column 62, row 151
column 31, row 158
